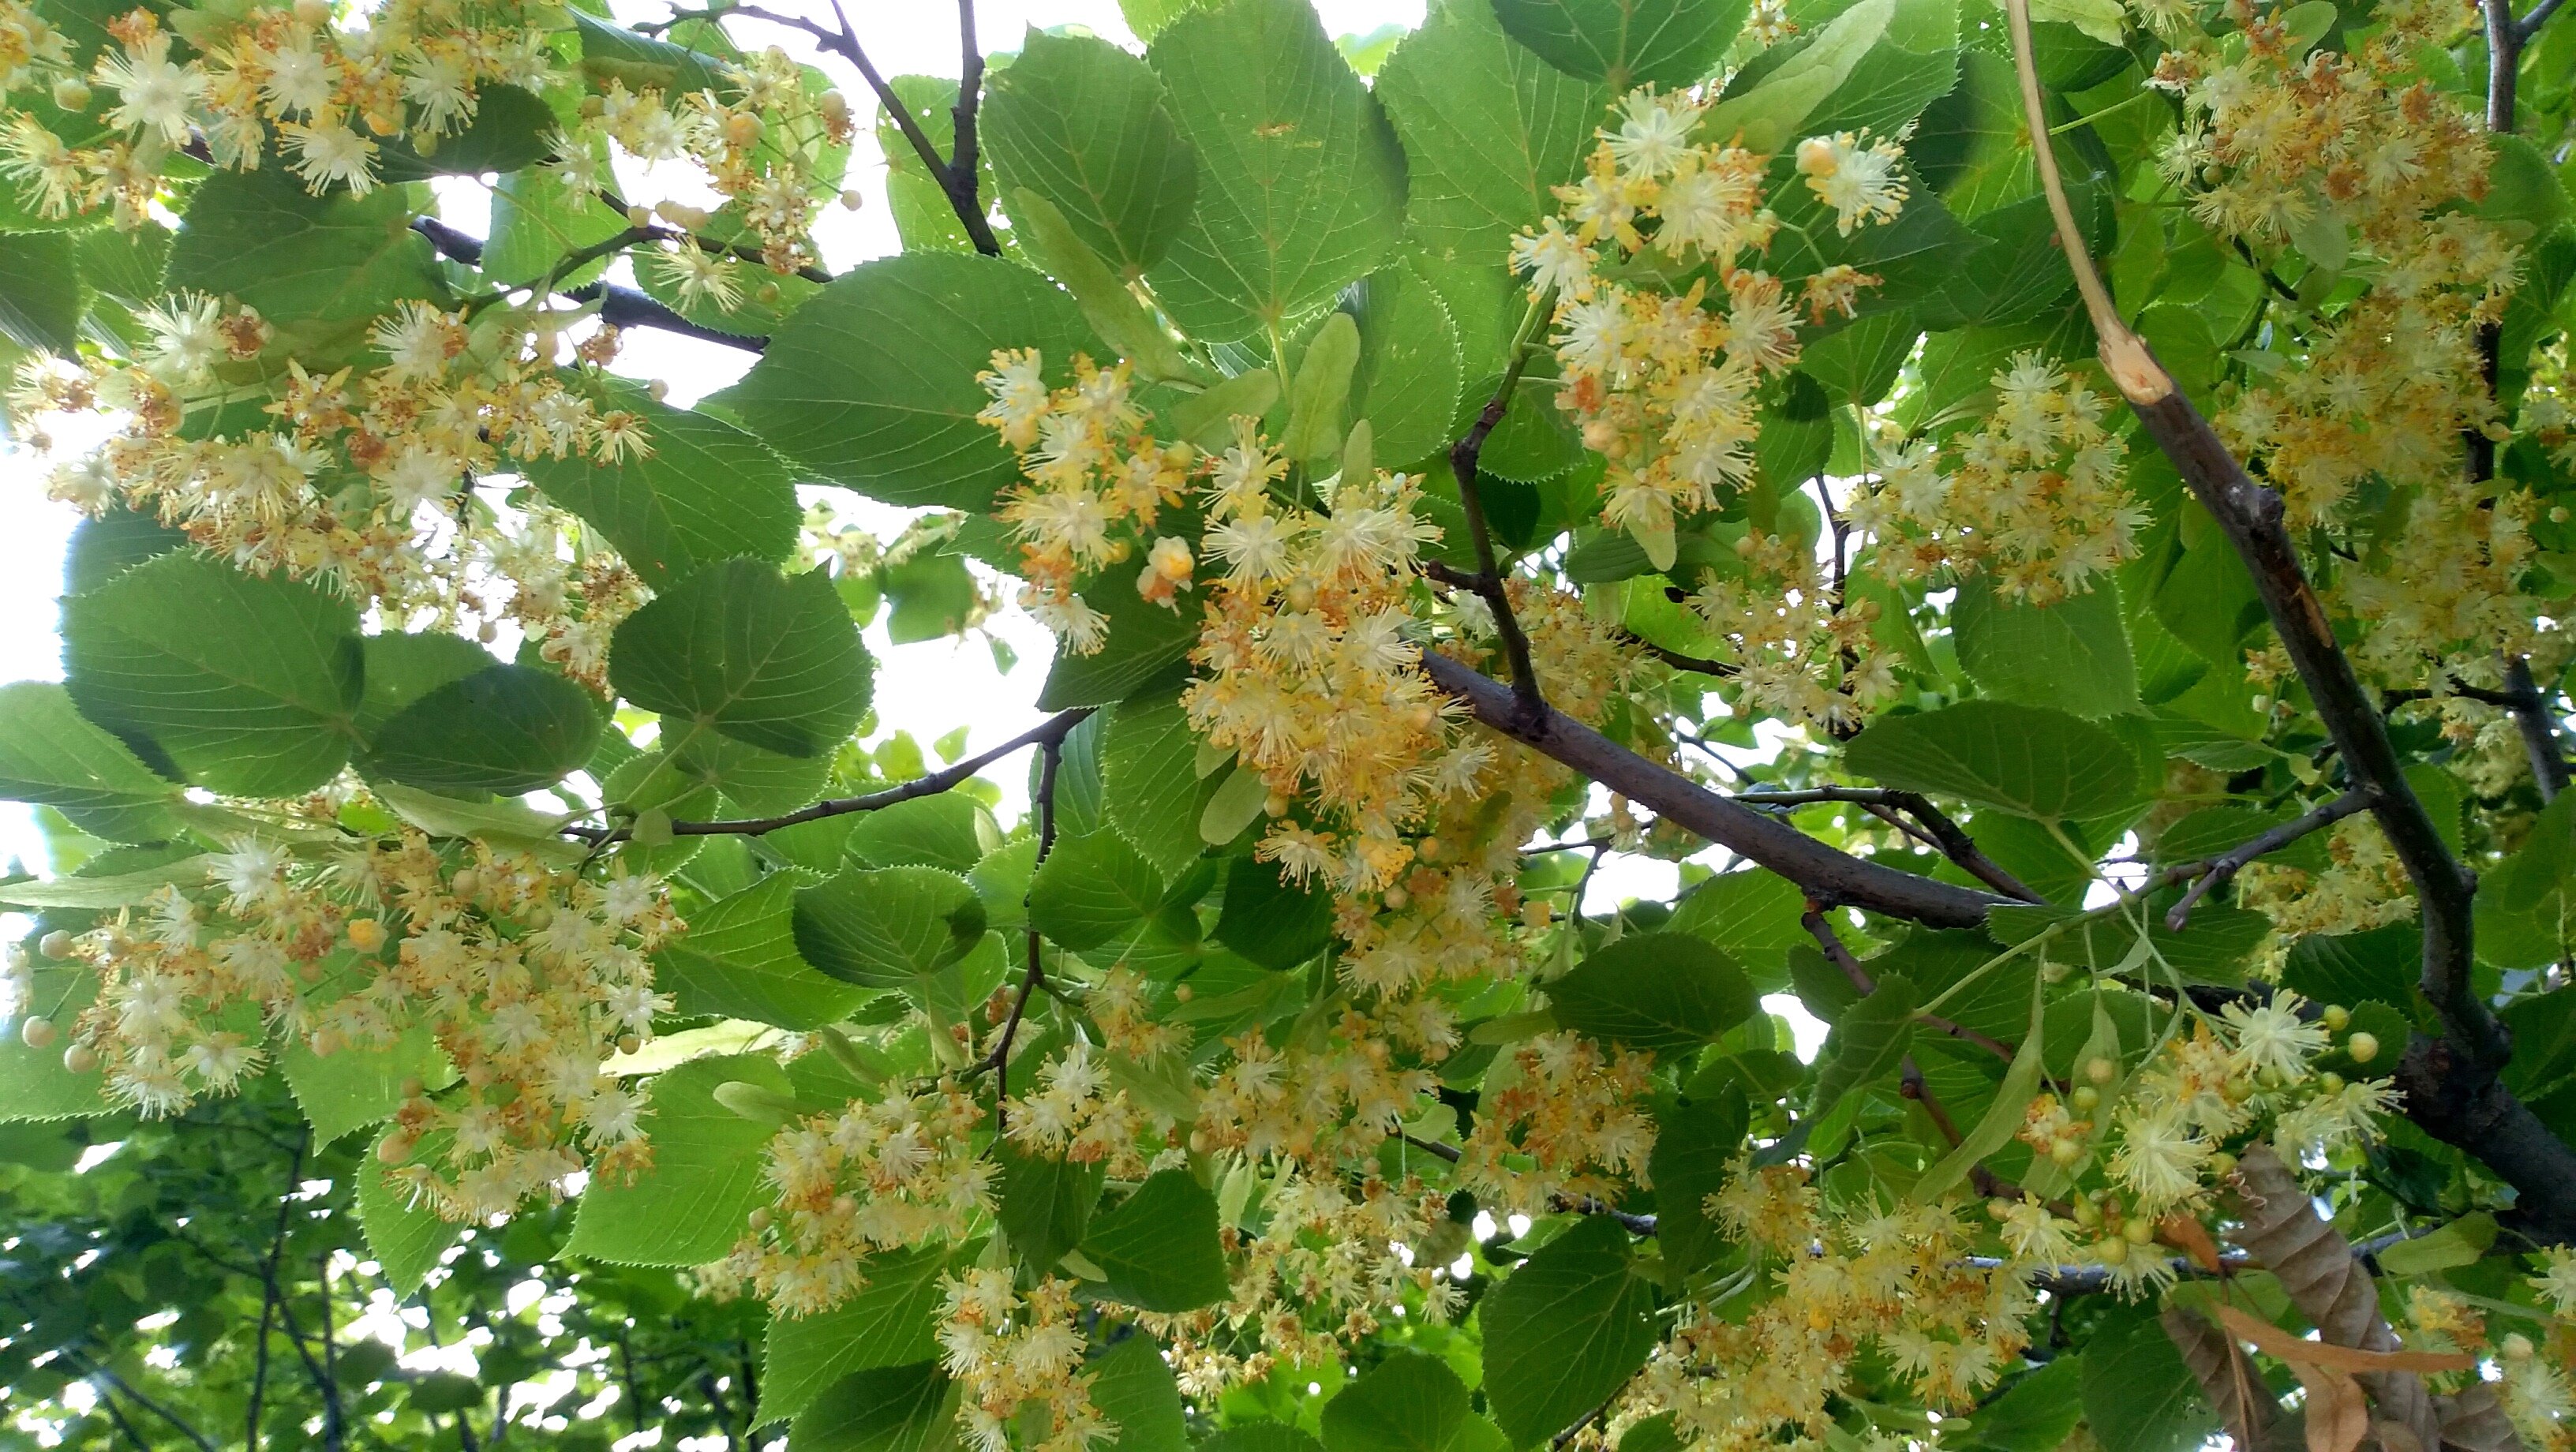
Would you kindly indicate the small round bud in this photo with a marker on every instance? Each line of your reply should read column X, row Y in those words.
column 2363, row 1047
column 592, row 108
column 1301, row 595
column 767, row 292
column 2337, row 1018
column 2222, row 1164
column 760, row 1217
column 466, row 883
column 1421, row 717
column 2053, row 973
column 311, row 973
column 312, row 12
column 393, row 1149
column 37, row 1030
column 2517, row 1347
column 326, row 1042
column 2087, row 1213
column 1276, row 804
column 658, row 390
column 412, row 1088
column 2101, row 1071
column 71, row 93
column 1396, row 898
column 2113, row 1251
column 835, row 108
column 1537, row 913
column 2065, row 1150
column 80, row 1059
column 1183, row 993
column 1202, row 1142
column 639, row 217
column 2085, row 1097
column 851, row 200
column 2330, row 1083
column 1429, row 849
column 743, row 128
column 2138, row 1230
column 56, row 944
column 366, row 934
column 1998, row 1208
column 630, row 1043
column 845, row 1204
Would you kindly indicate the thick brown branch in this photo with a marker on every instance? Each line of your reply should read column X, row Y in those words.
column 1824, row 873
column 1049, row 734
column 1948, row 837
column 2219, row 870
column 2539, row 728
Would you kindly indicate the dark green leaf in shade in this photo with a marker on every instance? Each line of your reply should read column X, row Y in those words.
column 763, row 658
column 2072, row 655
column 2138, row 1396
column 2381, row 963
column 945, row 830
column 1044, row 1205
column 1653, row 991
column 1694, row 1143
column 1867, row 1044
column 1270, row 920
column 259, row 237
column 2034, row 1414
column 1752, row 914
column 1159, row 1246
column 248, row 684
column 708, row 492
column 1135, row 1390
column 1082, row 123
column 872, row 382
column 1092, row 888
column 505, row 729
column 887, row 927
column 510, row 130
column 892, row 1322
column 1627, row 43
column 1410, row 1402
column 889, row 1409
column 1301, row 185
column 1564, row 1331
column 708, row 1172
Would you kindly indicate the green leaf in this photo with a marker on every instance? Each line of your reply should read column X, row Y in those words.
column 1627, row 43
column 1150, row 781
column 2211, row 948
column 1082, row 123
column 2524, row 915
column 50, row 754
column 1770, row 106
column 610, row 51
column 1866, row 1045
column 1044, row 1204
column 707, row 1175
column 762, row 658
column 872, row 382
column 1270, row 920
column 887, row 927
column 1145, row 641
column 1320, row 394
column 1756, row 916
column 505, row 729
column 260, row 237
column 1092, row 888
column 946, row 830
column 2026, row 759
column 2035, row 1414
column 708, row 492
column 1653, row 991
column 1564, row 1331
column 1488, row 128
column 890, row 1409
column 1995, row 1128
column 40, row 291
column 357, row 1087
column 1410, row 1402
column 536, row 222
column 1301, row 186
column 509, row 131
column 739, row 960
column 34, row 1083
column 1136, row 1392
column 1159, row 1247
column 1694, row 1143
column 2349, row 968
column 246, row 683
column 2138, row 1395
column 892, row 1322
column 932, row 596
column 407, row 1238
column 1411, row 370
column 2073, row 655
column 401, row 669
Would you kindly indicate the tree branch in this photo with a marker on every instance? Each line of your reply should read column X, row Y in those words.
column 970, row 88
column 2532, row 717
column 1049, row 734
column 619, row 306
column 268, row 1297
column 1948, row 837
column 2529, row 25
column 2218, row 871
column 999, row 1060
column 1464, row 456
column 1841, row 957
column 1828, row 875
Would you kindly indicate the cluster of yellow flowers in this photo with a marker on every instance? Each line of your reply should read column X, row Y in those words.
column 2360, row 161
column 1324, row 1270
column 1572, row 1111
column 2363, row 885
column 365, row 478
column 527, row 978
column 1803, row 651
column 2536, row 1387
column 1016, row 1354
column 1900, row 1281
column 899, row 1171
column 1665, row 386
column 2037, row 499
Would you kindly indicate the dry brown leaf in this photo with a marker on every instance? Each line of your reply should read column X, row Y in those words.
column 2473, row 1421
column 2398, row 1437
column 2272, row 1341
column 2315, row 1265
column 2338, row 1414
column 2186, row 1234
column 2244, row 1405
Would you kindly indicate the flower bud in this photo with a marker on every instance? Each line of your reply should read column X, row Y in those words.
column 80, row 1059
column 2363, row 1047
column 2112, row 1251
column 366, row 934
column 1276, row 804
column 2517, row 1347
column 658, row 390
column 2337, row 1017
column 1396, row 898
column 71, row 93
column 760, row 1217
column 2065, row 1151
column 393, row 1149
column 2330, row 1083
column 743, row 128
column 2138, row 1230
column 851, row 200
column 2101, row 1071
column 37, row 1030
column 312, row 12
column 56, row 944
column 2085, row 1098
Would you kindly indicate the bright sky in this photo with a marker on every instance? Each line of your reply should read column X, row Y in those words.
column 927, row 688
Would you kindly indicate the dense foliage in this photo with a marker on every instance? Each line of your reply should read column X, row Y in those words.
column 2106, row 598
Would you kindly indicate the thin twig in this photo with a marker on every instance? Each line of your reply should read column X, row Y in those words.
column 268, row 1297
column 1050, row 734
column 619, row 306
column 1836, row 953
column 1464, row 457
column 999, row 1060
column 1949, row 838
column 970, row 87
column 2218, row 871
